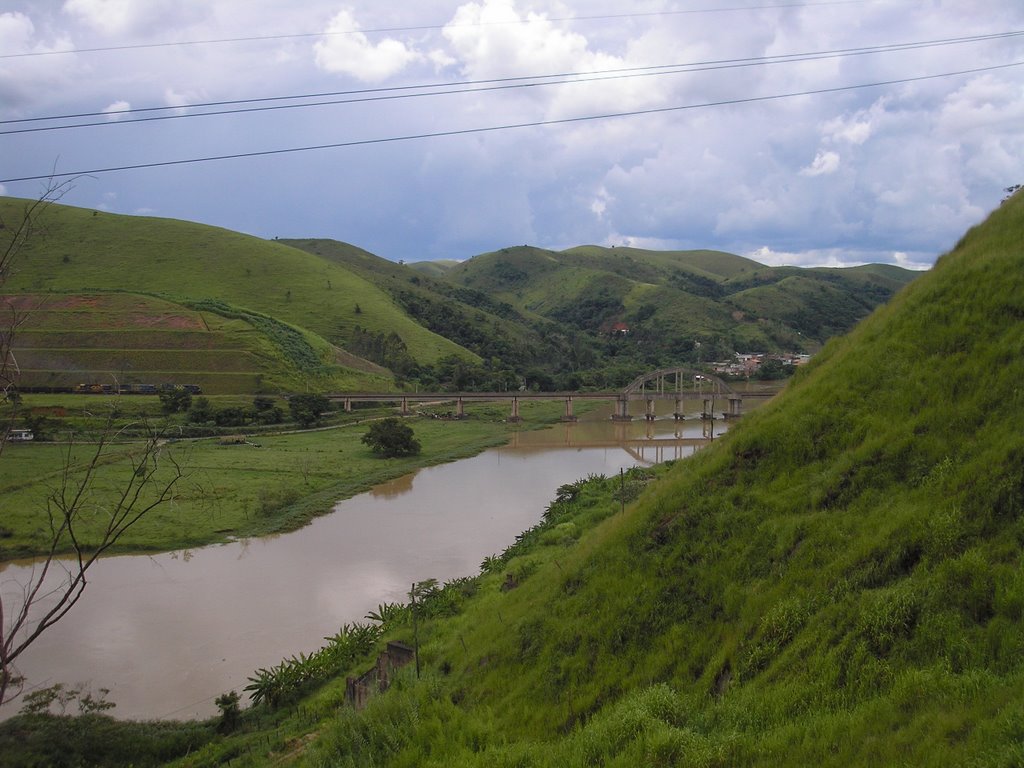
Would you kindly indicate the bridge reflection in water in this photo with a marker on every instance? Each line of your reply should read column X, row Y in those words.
column 648, row 442
column 678, row 385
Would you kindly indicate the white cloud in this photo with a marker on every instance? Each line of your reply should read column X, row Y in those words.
column 347, row 51
column 114, row 110
column 16, row 32
column 132, row 17
column 825, row 162
column 26, row 80
column 493, row 39
column 892, row 174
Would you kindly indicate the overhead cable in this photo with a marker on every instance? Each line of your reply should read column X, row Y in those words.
column 505, row 127
column 421, row 28
column 113, row 117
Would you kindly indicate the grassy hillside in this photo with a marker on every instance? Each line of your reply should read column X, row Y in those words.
column 435, row 268
column 511, row 344
column 681, row 305
column 79, row 251
column 839, row 581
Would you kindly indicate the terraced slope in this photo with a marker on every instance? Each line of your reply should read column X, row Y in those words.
column 119, row 339
column 80, row 251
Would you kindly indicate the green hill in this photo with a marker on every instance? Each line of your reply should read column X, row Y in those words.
column 681, row 305
column 511, row 344
column 435, row 268
column 839, row 581
column 78, row 251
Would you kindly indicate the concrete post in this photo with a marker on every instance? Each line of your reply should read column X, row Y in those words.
column 568, row 416
column 735, row 405
column 650, row 415
column 678, row 412
column 460, row 409
column 405, row 407
column 348, row 405
column 622, row 410
column 515, row 410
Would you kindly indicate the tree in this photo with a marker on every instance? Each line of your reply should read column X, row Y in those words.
column 201, row 411
column 265, row 411
column 176, row 400
column 149, row 480
column 391, row 438
column 308, row 409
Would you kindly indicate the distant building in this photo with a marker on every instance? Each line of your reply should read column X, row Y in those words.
column 20, row 436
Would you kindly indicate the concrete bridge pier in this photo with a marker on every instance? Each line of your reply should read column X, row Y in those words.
column 405, row 411
column 708, row 413
column 650, row 414
column 515, row 411
column 568, row 415
column 621, row 412
column 460, row 409
column 735, row 407
column 348, row 405
column 677, row 414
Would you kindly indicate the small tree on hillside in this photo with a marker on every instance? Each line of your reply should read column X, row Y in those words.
column 308, row 409
column 391, row 438
column 175, row 400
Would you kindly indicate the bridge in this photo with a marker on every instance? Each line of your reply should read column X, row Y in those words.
column 676, row 384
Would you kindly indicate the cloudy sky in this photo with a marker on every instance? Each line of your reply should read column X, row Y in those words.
column 821, row 132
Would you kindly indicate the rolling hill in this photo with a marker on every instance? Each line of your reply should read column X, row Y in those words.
column 294, row 314
column 690, row 304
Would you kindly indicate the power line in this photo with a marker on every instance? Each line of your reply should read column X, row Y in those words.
column 421, row 28
column 508, row 126
column 474, row 86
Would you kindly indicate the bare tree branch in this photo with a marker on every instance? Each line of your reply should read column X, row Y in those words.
column 151, row 477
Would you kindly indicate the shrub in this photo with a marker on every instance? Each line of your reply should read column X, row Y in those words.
column 390, row 438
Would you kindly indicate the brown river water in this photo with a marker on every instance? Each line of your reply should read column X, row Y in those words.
column 169, row 633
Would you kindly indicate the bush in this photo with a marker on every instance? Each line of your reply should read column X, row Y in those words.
column 391, row 438
column 308, row 409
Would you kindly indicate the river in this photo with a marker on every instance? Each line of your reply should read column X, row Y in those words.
column 169, row 633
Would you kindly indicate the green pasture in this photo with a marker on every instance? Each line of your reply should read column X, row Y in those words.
column 235, row 486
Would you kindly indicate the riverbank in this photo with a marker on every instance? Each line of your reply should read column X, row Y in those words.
column 239, row 487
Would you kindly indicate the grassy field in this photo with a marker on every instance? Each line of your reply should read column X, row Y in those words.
column 235, row 486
